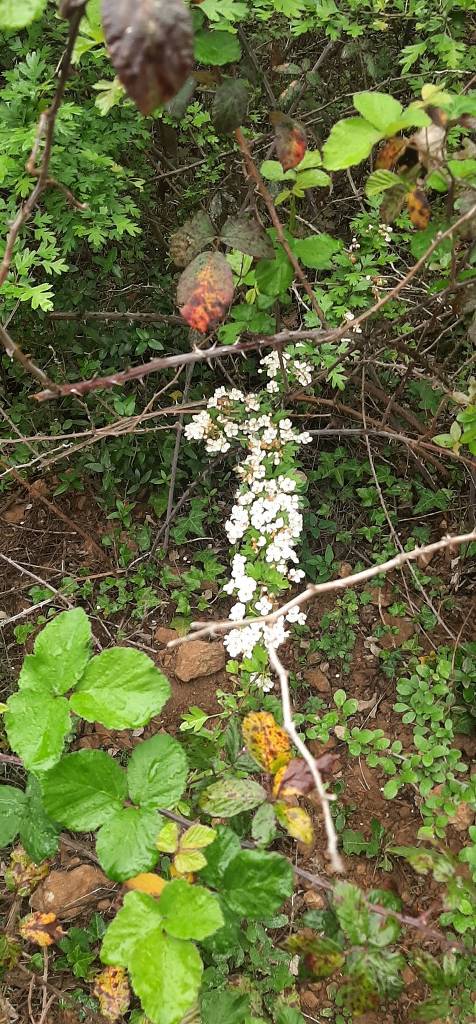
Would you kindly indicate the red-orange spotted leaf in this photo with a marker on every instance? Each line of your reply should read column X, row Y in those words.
column 205, row 291
column 112, row 991
column 150, row 44
column 41, row 929
column 297, row 823
column 266, row 741
column 291, row 140
column 390, row 152
column 418, row 208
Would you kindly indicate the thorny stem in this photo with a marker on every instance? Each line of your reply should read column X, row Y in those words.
column 289, row 725
column 200, row 629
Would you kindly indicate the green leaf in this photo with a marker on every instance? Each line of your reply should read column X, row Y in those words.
column 352, row 912
column 190, row 911
column 313, row 178
column 166, row 974
column 391, row 788
column 219, row 854
column 37, row 726
column 138, row 916
column 12, row 808
column 349, row 142
column 16, row 14
column 84, row 790
column 274, row 276
column 157, row 772
column 230, row 105
column 247, row 236
column 380, row 181
column 225, row 1006
column 168, row 838
column 231, row 796
column 217, row 48
column 272, row 170
column 126, row 843
column 38, row 833
column 288, row 1015
column 60, row 655
column 316, row 251
column 256, row 884
column 263, row 826
column 122, row 689
column 378, row 108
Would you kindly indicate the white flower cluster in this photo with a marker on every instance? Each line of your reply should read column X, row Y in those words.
column 266, row 516
column 299, row 369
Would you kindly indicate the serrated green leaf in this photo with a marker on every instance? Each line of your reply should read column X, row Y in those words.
column 223, row 849
column 316, row 251
column 166, row 974
column 12, row 808
column 273, row 171
column 38, row 833
column 231, row 796
column 350, row 141
column 60, row 655
column 379, row 109
column 380, row 181
column 313, row 178
column 274, row 276
column 138, row 916
column 168, row 838
column 121, row 688
column 17, row 14
column 189, row 861
column 157, row 772
column 190, row 911
column 37, row 726
column 126, row 843
column 225, row 1006
column 256, row 884
column 197, row 837
column 216, row 48
column 84, row 790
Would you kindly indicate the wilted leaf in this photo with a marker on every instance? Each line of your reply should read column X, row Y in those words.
column 22, row 875
column 41, row 929
column 150, row 43
column 191, row 238
column 230, row 105
column 266, row 741
column 358, row 996
column 297, row 823
column 247, row 236
column 231, row 796
column 389, row 152
column 294, row 779
column 112, row 991
column 291, row 140
column 10, row 953
column 419, row 208
column 393, row 203
column 321, row 957
column 205, row 291
column 147, row 882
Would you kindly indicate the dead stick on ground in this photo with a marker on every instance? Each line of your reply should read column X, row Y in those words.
column 289, row 725
column 200, row 629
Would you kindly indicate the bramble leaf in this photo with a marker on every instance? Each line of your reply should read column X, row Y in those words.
column 189, row 911
column 121, row 688
column 151, row 47
column 84, row 789
column 266, row 741
column 60, row 655
column 12, row 809
column 256, row 884
column 231, row 796
column 205, row 291
column 37, row 725
column 157, row 772
column 126, row 843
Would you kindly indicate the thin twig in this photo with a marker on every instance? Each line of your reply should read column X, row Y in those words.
column 200, row 629
column 289, row 725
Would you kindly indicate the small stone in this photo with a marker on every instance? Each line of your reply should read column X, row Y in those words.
column 463, row 818
column 163, row 635
column 197, row 658
column 316, row 678
column 314, row 900
column 381, row 598
column 404, row 630
column 309, row 1000
column 68, row 893
column 345, row 570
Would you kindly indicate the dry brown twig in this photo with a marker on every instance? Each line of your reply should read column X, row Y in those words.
column 203, row 629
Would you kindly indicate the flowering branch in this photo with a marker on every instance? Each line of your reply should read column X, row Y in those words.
column 201, row 629
column 289, row 725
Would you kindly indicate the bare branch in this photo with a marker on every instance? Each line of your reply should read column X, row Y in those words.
column 200, row 629
column 288, row 722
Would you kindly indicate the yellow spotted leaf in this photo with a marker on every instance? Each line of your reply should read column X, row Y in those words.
column 189, row 860
column 147, row 882
column 205, row 291
column 169, row 836
column 112, row 991
column 297, row 823
column 41, row 929
column 197, row 837
column 266, row 741
column 390, row 152
column 418, row 208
